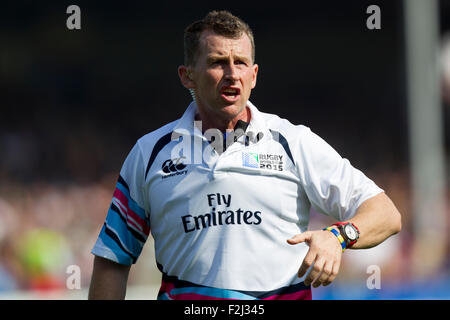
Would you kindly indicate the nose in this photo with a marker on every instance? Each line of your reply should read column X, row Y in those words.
column 231, row 72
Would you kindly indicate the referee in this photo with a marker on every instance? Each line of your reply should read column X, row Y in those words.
column 226, row 190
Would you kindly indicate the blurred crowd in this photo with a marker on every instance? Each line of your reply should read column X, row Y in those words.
column 46, row 228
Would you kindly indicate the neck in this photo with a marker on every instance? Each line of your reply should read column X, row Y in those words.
column 212, row 121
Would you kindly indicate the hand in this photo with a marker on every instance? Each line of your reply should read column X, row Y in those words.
column 324, row 251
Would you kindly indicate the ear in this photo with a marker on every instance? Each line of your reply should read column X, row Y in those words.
column 255, row 74
column 186, row 77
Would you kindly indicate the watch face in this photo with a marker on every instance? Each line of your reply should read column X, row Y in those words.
column 350, row 232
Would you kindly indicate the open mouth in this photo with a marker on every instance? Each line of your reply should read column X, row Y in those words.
column 230, row 93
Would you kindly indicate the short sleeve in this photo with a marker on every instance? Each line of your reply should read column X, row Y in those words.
column 333, row 186
column 127, row 224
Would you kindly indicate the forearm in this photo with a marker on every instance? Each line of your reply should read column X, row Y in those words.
column 109, row 280
column 377, row 219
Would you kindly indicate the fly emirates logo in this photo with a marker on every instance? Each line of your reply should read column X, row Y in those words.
column 220, row 217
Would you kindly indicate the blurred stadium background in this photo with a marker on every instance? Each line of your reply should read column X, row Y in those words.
column 74, row 102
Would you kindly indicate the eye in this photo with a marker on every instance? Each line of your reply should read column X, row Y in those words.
column 218, row 62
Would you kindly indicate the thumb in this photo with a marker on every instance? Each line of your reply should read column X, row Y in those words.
column 298, row 238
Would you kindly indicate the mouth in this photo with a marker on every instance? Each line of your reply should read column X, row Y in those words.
column 230, row 94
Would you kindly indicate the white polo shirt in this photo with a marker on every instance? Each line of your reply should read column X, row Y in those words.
column 220, row 221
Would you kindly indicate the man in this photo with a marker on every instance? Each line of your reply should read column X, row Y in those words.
column 232, row 223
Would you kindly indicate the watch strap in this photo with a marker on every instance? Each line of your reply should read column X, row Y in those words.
column 338, row 236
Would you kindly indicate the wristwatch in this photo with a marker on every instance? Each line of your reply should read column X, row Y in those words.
column 349, row 232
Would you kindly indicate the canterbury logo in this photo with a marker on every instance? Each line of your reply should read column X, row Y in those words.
column 173, row 165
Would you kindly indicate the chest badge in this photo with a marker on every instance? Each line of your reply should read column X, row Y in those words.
column 250, row 160
column 262, row 161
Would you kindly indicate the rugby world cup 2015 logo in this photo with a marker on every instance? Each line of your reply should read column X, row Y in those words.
column 266, row 161
column 250, row 160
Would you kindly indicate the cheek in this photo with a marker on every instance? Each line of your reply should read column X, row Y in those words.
column 249, row 80
column 211, row 80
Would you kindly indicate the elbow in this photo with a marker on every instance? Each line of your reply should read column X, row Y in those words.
column 396, row 222
column 394, row 216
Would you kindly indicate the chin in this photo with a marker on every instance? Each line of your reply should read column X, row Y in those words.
column 232, row 110
column 223, row 110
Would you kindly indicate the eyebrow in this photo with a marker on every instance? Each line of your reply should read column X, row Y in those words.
column 215, row 57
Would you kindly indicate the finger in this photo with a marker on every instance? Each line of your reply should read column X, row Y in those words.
column 306, row 264
column 315, row 271
column 325, row 274
column 298, row 238
column 334, row 273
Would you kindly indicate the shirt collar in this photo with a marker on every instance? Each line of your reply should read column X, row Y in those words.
column 257, row 123
column 186, row 122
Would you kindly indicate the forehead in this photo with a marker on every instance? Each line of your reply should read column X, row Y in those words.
column 212, row 43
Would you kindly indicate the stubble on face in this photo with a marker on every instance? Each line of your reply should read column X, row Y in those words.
column 224, row 74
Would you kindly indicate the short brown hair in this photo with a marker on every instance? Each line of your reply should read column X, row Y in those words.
column 221, row 22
